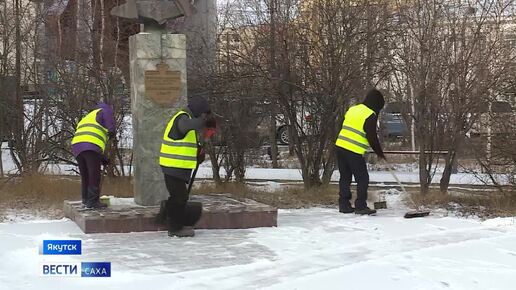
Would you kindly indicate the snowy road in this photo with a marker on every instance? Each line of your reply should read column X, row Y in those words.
column 310, row 249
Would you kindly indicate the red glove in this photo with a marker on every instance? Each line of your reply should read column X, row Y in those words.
column 209, row 132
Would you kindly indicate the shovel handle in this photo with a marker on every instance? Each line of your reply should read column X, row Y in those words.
column 399, row 182
column 192, row 179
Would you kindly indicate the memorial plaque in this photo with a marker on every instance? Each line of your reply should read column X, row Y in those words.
column 163, row 86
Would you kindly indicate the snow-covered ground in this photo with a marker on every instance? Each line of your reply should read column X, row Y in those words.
column 316, row 248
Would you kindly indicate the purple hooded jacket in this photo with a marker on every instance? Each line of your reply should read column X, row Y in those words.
column 105, row 118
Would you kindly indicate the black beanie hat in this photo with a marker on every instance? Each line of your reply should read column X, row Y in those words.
column 198, row 105
column 374, row 100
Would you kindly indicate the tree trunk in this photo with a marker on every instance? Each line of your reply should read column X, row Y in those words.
column 215, row 166
column 274, row 84
column 96, row 34
column 272, row 136
column 240, row 166
column 1, row 153
column 329, row 166
column 306, row 177
column 449, row 163
column 424, row 174
column 18, row 122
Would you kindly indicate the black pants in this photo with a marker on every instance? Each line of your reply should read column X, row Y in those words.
column 176, row 203
column 89, row 168
column 352, row 164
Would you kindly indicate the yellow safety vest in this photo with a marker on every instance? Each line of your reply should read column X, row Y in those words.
column 181, row 153
column 89, row 130
column 352, row 136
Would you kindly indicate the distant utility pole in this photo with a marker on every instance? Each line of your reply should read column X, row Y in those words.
column 275, row 85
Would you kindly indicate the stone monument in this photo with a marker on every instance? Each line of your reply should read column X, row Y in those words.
column 158, row 87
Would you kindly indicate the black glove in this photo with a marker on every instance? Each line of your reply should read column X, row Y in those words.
column 211, row 122
column 111, row 134
column 105, row 160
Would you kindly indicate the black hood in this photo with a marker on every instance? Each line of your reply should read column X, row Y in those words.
column 198, row 105
column 374, row 100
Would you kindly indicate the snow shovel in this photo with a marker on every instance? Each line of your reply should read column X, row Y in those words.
column 411, row 214
column 161, row 217
column 381, row 203
column 192, row 179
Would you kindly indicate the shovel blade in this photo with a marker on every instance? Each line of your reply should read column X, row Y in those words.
column 380, row 205
column 416, row 214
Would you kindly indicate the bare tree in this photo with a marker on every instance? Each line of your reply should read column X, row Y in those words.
column 69, row 56
column 311, row 60
column 445, row 49
column 25, row 119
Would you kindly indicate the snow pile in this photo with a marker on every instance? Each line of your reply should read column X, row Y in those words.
column 7, row 161
column 122, row 201
column 392, row 191
column 267, row 186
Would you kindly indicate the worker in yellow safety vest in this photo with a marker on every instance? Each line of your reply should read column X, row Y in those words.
column 181, row 152
column 88, row 147
column 357, row 135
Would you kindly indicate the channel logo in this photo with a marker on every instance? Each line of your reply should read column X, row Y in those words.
column 60, row 269
column 70, row 247
column 61, row 247
column 84, row 269
column 96, row 269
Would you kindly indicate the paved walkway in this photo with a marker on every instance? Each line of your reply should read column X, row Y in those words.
column 311, row 248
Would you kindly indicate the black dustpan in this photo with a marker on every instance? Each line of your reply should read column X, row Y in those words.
column 416, row 214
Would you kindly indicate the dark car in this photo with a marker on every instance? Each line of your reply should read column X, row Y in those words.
column 392, row 120
column 392, row 123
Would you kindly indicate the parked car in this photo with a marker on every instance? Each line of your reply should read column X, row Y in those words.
column 282, row 136
column 392, row 124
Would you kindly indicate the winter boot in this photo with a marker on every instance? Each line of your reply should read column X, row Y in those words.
column 349, row 209
column 161, row 218
column 345, row 206
column 193, row 212
column 365, row 211
column 184, row 232
column 176, row 213
column 93, row 199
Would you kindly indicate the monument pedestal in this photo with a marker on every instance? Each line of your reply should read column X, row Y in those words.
column 154, row 100
column 219, row 212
